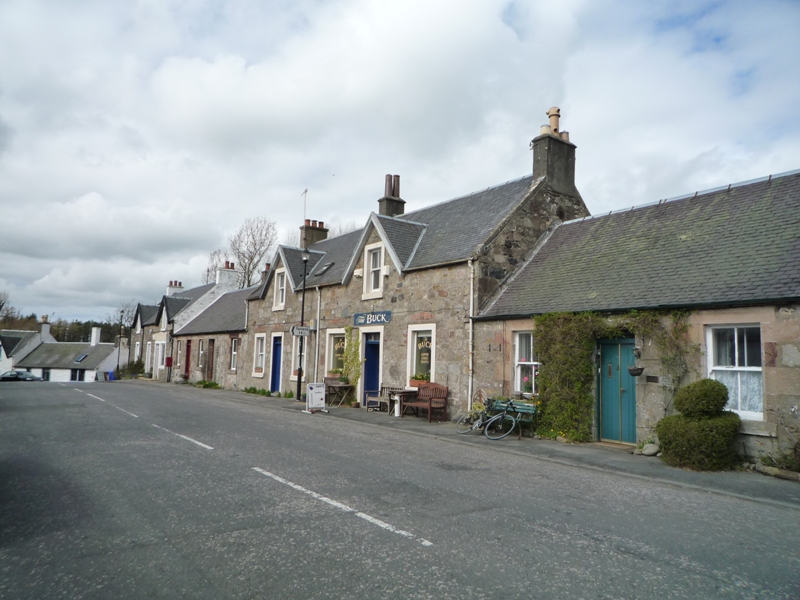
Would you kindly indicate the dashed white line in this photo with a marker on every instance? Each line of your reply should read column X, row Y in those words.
column 186, row 437
column 123, row 410
column 95, row 397
column 344, row 507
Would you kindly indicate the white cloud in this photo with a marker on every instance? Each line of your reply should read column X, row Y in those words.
column 136, row 135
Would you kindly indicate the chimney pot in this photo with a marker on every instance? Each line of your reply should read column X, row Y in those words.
column 308, row 222
column 565, row 136
column 322, row 225
column 387, row 192
column 545, row 130
column 314, row 223
column 554, row 113
column 232, row 266
column 396, row 186
column 266, row 268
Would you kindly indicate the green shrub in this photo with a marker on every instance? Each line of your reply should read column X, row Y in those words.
column 263, row 392
column 704, row 398
column 250, row 390
column 212, row 385
column 288, row 394
column 705, row 444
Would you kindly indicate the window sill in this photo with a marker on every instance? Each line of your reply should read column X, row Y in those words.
column 372, row 295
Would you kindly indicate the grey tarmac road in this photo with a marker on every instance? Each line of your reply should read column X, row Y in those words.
column 135, row 490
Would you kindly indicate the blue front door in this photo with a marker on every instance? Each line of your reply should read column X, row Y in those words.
column 617, row 389
column 275, row 377
column 372, row 363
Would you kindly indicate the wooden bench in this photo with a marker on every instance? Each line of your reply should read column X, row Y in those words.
column 376, row 400
column 523, row 411
column 430, row 397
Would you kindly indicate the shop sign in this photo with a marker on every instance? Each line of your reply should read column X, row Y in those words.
column 373, row 318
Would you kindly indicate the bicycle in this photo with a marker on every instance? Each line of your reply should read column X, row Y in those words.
column 495, row 427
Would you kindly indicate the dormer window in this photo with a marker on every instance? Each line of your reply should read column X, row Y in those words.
column 373, row 271
column 279, row 301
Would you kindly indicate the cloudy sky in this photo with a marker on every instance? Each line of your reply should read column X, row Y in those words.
column 135, row 136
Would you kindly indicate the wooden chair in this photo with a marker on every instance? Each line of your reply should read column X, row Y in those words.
column 430, row 397
column 377, row 399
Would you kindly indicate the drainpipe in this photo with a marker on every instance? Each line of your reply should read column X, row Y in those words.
column 316, row 353
column 471, row 333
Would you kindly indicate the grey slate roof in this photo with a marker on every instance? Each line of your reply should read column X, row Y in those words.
column 439, row 234
column 730, row 246
column 148, row 313
column 454, row 228
column 62, row 355
column 227, row 314
column 10, row 339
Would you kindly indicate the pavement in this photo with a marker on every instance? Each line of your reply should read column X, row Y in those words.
column 615, row 459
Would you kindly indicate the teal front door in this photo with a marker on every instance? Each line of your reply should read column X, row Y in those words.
column 617, row 389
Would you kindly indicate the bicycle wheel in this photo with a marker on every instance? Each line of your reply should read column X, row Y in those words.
column 499, row 426
column 465, row 424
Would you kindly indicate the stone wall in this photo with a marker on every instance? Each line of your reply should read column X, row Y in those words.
column 501, row 255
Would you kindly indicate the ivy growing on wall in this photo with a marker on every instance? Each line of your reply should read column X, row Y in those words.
column 352, row 356
column 565, row 345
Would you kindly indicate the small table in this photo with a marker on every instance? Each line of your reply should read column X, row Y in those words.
column 338, row 391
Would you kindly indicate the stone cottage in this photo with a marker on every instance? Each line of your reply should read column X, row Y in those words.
column 408, row 284
column 729, row 257
column 208, row 347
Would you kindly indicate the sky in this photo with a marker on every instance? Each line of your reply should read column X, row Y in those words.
column 136, row 136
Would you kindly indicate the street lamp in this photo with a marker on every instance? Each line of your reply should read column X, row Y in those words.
column 119, row 347
column 305, row 256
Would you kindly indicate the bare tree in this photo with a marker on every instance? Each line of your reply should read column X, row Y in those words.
column 127, row 309
column 249, row 245
column 291, row 237
column 341, row 229
column 215, row 261
column 3, row 300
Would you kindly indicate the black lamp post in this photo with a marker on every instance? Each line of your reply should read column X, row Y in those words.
column 306, row 256
column 119, row 348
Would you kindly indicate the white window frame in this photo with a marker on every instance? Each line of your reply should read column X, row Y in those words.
column 332, row 333
column 201, row 350
column 178, row 354
column 269, row 374
column 746, row 415
column 138, row 324
column 234, row 353
column 164, row 320
column 520, row 364
column 296, row 357
column 147, row 368
column 411, row 354
column 137, row 352
column 262, row 338
column 279, row 295
column 372, row 272
column 161, row 352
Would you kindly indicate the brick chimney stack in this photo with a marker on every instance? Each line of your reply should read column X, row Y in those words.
column 174, row 287
column 312, row 232
column 554, row 156
column 391, row 204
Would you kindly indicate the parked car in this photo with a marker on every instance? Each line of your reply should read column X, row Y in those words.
column 19, row 376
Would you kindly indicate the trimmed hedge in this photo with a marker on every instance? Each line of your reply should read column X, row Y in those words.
column 704, row 398
column 704, row 444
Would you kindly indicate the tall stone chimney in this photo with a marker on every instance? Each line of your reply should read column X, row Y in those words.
column 312, row 232
column 227, row 277
column 174, row 287
column 554, row 156
column 45, row 329
column 391, row 204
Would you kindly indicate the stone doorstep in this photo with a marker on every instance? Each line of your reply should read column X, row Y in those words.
column 776, row 472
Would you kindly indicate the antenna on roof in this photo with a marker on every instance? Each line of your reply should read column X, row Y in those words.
column 305, row 196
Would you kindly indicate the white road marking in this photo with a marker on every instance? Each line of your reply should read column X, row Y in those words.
column 123, row 410
column 95, row 397
column 186, row 437
column 344, row 507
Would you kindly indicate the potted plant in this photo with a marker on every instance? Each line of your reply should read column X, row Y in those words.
column 418, row 379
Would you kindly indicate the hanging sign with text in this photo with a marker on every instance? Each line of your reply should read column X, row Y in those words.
column 373, row 318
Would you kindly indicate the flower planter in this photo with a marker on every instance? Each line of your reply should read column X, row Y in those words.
column 635, row 371
column 416, row 382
